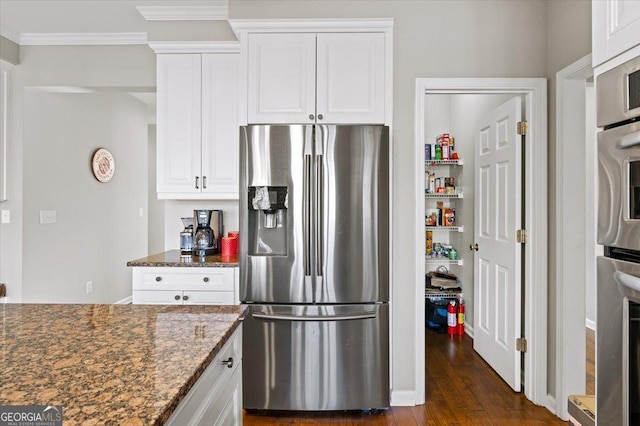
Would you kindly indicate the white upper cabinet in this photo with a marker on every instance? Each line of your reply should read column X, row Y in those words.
column 220, row 131
column 616, row 28
column 197, row 140
column 350, row 78
column 316, row 78
column 281, row 78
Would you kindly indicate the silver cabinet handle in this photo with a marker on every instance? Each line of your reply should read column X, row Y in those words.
column 185, row 297
column 311, row 116
column 205, row 279
column 177, row 297
column 204, row 182
column 228, row 363
column 197, row 178
column 158, row 279
column 320, row 117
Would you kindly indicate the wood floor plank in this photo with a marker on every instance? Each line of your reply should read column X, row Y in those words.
column 461, row 389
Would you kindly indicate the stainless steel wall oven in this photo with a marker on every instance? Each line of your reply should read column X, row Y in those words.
column 618, row 287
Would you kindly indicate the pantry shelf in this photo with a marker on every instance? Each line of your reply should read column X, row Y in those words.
column 432, row 163
column 442, row 261
column 442, row 196
column 445, row 228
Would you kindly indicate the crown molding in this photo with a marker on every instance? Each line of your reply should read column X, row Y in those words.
column 240, row 26
column 62, row 39
column 195, row 47
column 9, row 35
column 219, row 10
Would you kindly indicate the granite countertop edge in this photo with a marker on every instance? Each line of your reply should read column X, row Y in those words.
column 171, row 408
column 173, row 258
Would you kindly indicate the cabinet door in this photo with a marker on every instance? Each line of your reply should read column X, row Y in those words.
column 179, row 121
column 350, row 74
column 616, row 28
column 281, row 78
column 220, row 125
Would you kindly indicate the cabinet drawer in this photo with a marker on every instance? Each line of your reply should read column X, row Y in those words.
column 211, row 392
column 168, row 297
column 210, row 279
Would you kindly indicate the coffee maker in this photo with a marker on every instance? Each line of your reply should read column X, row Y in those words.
column 207, row 232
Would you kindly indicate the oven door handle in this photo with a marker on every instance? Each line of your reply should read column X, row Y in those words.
column 627, row 141
column 626, row 280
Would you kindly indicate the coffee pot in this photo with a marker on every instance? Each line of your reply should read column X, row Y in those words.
column 207, row 233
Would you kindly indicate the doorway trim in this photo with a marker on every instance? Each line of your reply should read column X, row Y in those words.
column 535, row 285
column 571, row 249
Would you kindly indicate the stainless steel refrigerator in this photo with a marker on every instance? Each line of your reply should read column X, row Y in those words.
column 314, row 267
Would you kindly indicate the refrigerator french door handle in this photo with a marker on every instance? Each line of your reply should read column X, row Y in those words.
column 319, row 217
column 314, row 318
column 306, row 214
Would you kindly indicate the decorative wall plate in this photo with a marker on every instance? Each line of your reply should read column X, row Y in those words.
column 103, row 165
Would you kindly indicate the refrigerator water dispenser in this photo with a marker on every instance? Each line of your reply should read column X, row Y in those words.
column 267, row 220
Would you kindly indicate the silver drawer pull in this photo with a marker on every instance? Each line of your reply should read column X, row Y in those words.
column 158, row 279
column 185, row 297
column 177, row 297
column 228, row 363
column 205, row 279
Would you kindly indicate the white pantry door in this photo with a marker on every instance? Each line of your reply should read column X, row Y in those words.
column 497, row 261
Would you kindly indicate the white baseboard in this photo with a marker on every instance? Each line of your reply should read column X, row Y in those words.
column 125, row 301
column 551, row 404
column 468, row 330
column 403, row 398
column 4, row 299
column 591, row 324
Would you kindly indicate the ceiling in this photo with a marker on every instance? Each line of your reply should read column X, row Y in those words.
column 21, row 20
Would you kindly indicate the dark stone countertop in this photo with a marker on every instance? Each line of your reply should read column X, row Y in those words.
column 109, row 364
column 174, row 258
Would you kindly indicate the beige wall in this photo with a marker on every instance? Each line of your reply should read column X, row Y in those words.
column 431, row 39
column 52, row 138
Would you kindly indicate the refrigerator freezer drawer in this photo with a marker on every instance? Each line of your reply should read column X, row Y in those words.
column 330, row 357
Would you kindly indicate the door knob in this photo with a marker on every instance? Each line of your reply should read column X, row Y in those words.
column 474, row 247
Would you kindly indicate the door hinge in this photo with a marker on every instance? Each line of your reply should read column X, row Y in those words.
column 522, row 236
column 522, row 127
column 521, row 344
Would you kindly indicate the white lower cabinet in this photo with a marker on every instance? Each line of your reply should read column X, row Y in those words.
column 216, row 398
column 184, row 286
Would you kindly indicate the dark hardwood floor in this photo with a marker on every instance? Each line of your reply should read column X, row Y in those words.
column 461, row 389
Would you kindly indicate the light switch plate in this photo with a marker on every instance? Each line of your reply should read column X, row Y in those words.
column 47, row 216
column 6, row 216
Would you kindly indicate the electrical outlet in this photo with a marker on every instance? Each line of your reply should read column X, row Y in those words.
column 6, row 216
column 47, row 216
column 89, row 287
